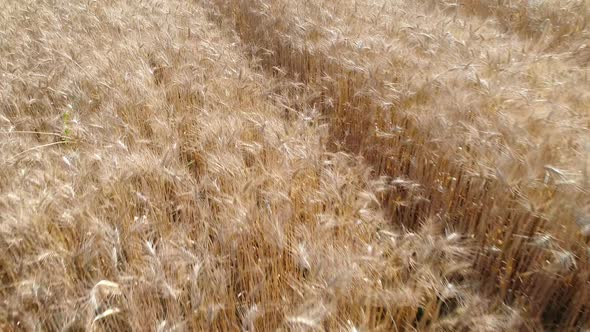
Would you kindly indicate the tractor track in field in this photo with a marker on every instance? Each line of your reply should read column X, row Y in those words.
column 352, row 100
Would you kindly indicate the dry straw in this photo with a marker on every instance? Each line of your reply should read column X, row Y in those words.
column 277, row 165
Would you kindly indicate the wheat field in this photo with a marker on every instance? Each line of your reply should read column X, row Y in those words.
column 326, row 165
